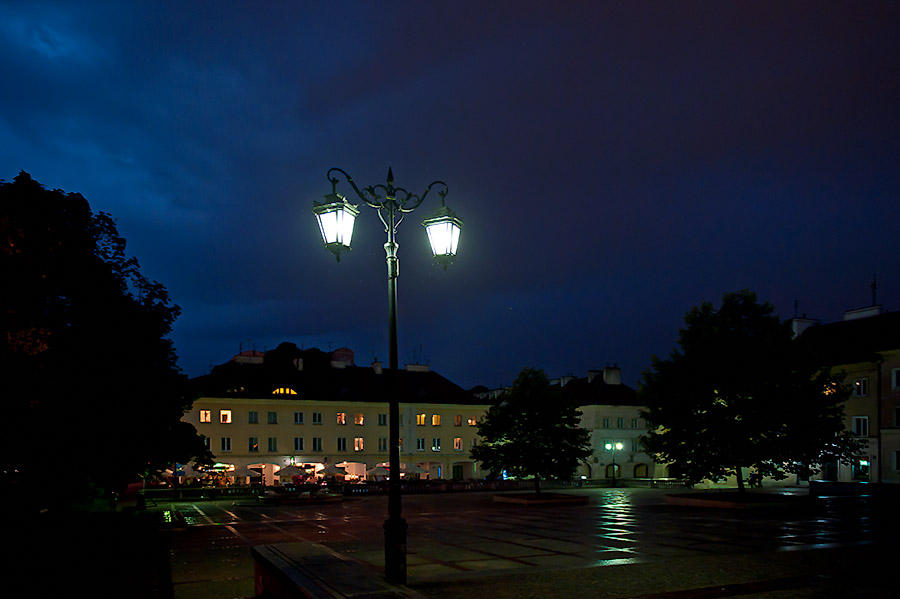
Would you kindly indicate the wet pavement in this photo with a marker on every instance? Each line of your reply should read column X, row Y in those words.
column 466, row 536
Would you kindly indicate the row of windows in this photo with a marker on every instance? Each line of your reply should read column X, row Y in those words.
column 860, row 387
column 620, row 422
column 358, row 444
column 225, row 417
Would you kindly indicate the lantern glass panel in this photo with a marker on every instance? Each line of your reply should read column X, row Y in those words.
column 336, row 225
column 444, row 237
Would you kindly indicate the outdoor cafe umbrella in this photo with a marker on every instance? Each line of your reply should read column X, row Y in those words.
column 377, row 471
column 331, row 470
column 412, row 469
column 244, row 471
column 292, row 471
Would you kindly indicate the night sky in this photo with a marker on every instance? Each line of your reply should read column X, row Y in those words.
column 614, row 165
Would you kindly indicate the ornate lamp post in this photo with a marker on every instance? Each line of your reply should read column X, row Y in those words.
column 614, row 447
column 336, row 218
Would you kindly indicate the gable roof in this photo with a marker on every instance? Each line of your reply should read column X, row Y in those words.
column 851, row 341
column 597, row 392
column 319, row 381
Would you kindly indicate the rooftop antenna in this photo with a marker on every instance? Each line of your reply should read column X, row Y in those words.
column 874, row 287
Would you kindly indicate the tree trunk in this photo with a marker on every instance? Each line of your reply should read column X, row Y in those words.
column 740, row 479
column 537, row 486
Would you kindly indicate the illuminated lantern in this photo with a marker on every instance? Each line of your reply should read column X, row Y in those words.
column 443, row 234
column 336, row 217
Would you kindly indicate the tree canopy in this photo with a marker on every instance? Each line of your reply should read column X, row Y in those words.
column 737, row 394
column 532, row 431
column 92, row 390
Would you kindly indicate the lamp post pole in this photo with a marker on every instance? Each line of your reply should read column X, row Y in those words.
column 336, row 218
column 613, row 447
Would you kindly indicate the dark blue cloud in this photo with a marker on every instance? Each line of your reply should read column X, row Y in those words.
column 614, row 164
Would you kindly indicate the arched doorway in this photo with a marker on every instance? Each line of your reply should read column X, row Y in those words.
column 613, row 471
column 641, row 471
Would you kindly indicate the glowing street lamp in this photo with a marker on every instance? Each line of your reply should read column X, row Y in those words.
column 614, row 447
column 336, row 218
column 443, row 229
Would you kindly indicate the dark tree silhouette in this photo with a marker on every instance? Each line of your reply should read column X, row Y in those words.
column 532, row 431
column 91, row 388
column 737, row 394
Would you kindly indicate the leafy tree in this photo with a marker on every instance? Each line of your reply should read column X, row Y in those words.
column 532, row 431
column 92, row 393
column 737, row 395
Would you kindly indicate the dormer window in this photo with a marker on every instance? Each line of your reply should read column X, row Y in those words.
column 284, row 391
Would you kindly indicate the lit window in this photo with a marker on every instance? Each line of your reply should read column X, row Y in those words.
column 226, row 443
column 359, row 419
column 420, row 419
column 358, row 444
column 317, row 417
column 317, row 444
column 435, row 444
column 205, row 415
column 273, row 444
column 382, row 443
column 225, row 416
column 284, row 391
column 435, row 420
column 272, row 418
column 253, row 417
column 420, row 444
column 861, row 426
column 298, row 417
column 342, row 444
column 472, row 422
column 382, row 420
column 253, row 445
column 457, row 420
column 861, row 387
column 457, row 443
column 298, row 443
column 341, row 418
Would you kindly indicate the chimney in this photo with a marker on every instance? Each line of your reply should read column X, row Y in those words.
column 612, row 375
column 376, row 366
column 592, row 374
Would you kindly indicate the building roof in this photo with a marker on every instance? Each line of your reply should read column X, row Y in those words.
column 851, row 341
column 311, row 374
column 597, row 392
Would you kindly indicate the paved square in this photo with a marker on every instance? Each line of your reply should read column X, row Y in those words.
column 451, row 535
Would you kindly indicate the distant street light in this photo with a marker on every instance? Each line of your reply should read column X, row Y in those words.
column 336, row 217
column 614, row 447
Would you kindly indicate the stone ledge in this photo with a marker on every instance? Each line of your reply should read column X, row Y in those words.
column 311, row 571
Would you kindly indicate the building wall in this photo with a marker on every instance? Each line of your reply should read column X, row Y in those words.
column 438, row 462
column 611, row 424
column 890, row 416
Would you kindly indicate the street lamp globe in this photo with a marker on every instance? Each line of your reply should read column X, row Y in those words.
column 443, row 229
column 336, row 217
column 619, row 446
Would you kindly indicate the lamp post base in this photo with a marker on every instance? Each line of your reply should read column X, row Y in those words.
column 395, row 550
